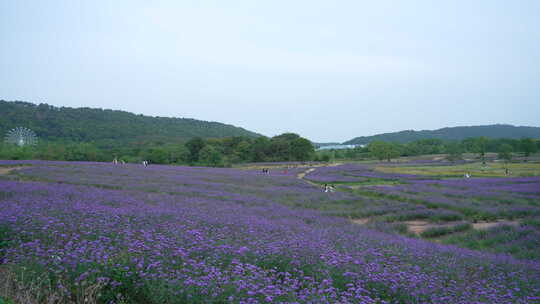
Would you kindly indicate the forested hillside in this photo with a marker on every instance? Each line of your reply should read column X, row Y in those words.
column 86, row 134
column 451, row 134
column 108, row 127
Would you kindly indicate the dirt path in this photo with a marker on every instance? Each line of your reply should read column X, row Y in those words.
column 418, row 227
column 487, row 225
column 361, row 221
column 7, row 170
column 301, row 175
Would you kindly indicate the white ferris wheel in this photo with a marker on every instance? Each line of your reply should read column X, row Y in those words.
column 21, row 136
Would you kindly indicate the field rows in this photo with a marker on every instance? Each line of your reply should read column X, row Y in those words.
column 167, row 234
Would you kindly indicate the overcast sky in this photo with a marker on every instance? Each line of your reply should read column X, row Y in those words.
column 327, row 70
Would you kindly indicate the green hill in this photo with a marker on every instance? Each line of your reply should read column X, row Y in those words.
column 108, row 127
column 452, row 134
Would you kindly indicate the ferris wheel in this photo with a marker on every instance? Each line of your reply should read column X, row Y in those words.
column 21, row 136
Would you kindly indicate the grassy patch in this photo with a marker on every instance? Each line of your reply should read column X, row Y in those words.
column 522, row 242
column 5, row 301
column 5, row 233
column 492, row 169
column 366, row 182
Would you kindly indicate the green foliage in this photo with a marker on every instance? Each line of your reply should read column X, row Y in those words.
column 194, row 146
column 424, row 146
column 289, row 147
column 211, row 156
column 383, row 150
column 5, row 234
column 260, row 149
column 301, row 149
column 454, row 151
column 528, row 146
column 216, row 152
column 158, row 155
column 5, row 301
column 15, row 152
column 478, row 145
column 505, row 152
column 521, row 242
column 54, row 151
column 108, row 127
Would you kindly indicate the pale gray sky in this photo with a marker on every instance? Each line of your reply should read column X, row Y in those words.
column 328, row 70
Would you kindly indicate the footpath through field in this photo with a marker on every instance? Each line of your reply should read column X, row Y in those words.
column 417, row 227
column 7, row 170
column 302, row 175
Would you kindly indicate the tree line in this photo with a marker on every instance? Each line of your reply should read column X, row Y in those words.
column 216, row 152
column 385, row 151
column 224, row 152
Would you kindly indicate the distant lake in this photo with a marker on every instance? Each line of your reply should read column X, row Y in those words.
column 338, row 147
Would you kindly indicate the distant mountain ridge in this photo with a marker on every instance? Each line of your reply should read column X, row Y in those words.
column 108, row 127
column 451, row 134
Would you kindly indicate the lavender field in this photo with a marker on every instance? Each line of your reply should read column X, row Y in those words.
column 94, row 232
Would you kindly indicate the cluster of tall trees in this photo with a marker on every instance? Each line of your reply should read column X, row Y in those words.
column 224, row 151
column 454, row 149
column 217, row 152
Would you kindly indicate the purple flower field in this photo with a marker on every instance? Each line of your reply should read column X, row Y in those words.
column 165, row 234
column 483, row 198
column 397, row 198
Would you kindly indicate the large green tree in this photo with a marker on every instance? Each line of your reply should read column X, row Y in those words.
column 479, row 145
column 505, row 152
column 260, row 149
column 454, row 151
column 290, row 146
column 194, row 145
column 302, row 149
column 383, row 150
column 211, row 156
column 528, row 146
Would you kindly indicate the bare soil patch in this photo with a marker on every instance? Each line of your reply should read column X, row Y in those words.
column 301, row 176
column 487, row 225
column 418, row 227
column 7, row 170
column 361, row 221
